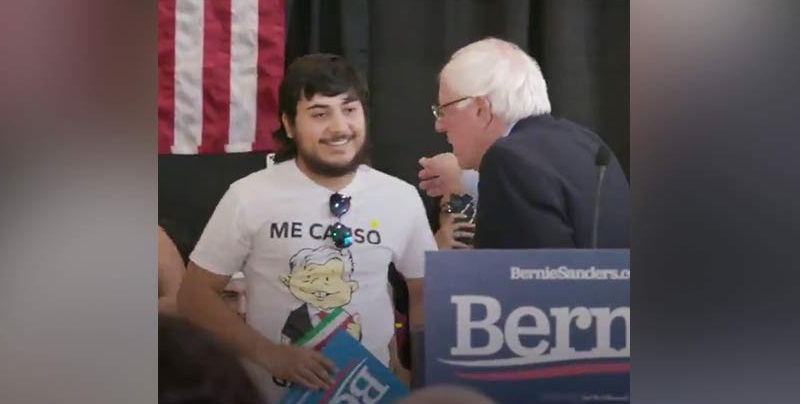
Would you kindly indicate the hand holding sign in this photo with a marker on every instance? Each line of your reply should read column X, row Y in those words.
column 360, row 377
column 302, row 365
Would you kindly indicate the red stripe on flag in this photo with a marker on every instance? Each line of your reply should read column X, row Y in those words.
column 270, row 71
column 166, row 64
column 216, row 75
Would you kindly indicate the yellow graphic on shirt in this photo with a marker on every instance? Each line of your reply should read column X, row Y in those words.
column 321, row 279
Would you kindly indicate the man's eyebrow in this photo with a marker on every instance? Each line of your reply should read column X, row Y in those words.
column 348, row 100
column 313, row 106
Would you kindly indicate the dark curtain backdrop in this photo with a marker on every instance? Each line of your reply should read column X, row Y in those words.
column 581, row 45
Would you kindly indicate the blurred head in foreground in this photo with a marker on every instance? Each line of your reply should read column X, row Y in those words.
column 446, row 395
column 195, row 368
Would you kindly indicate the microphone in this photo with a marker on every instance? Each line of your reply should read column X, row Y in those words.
column 602, row 160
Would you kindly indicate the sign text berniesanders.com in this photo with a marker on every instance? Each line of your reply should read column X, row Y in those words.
column 534, row 326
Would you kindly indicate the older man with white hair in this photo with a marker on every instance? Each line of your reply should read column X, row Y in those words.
column 543, row 182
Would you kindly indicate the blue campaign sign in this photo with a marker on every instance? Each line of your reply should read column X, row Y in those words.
column 360, row 377
column 529, row 326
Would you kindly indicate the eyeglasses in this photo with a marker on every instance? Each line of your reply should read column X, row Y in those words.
column 437, row 110
column 340, row 233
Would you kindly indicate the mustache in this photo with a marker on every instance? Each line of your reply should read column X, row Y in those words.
column 338, row 138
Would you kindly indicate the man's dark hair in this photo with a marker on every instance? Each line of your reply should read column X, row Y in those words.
column 324, row 74
column 195, row 368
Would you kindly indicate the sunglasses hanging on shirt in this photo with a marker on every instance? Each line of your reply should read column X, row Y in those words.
column 341, row 234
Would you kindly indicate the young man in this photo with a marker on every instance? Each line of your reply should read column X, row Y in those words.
column 314, row 235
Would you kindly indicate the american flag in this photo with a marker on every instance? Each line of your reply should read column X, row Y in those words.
column 220, row 65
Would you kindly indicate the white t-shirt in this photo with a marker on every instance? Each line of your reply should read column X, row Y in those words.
column 272, row 225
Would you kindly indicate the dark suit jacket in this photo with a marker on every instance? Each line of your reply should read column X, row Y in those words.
column 298, row 323
column 537, row 188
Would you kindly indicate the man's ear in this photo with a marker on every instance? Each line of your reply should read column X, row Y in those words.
column 285, row 279
column 353, row 285
column 484, row 109
column 285, row 120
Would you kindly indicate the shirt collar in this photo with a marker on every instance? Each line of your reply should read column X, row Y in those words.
column 509, row 129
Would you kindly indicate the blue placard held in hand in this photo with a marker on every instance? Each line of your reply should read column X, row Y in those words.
column 360, row 377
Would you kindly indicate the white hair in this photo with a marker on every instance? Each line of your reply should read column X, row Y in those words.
column 503, row 72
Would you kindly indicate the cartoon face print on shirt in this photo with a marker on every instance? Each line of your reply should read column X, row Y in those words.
column 320, row 279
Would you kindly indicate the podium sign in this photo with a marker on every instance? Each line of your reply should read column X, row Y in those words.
column 534, row 326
